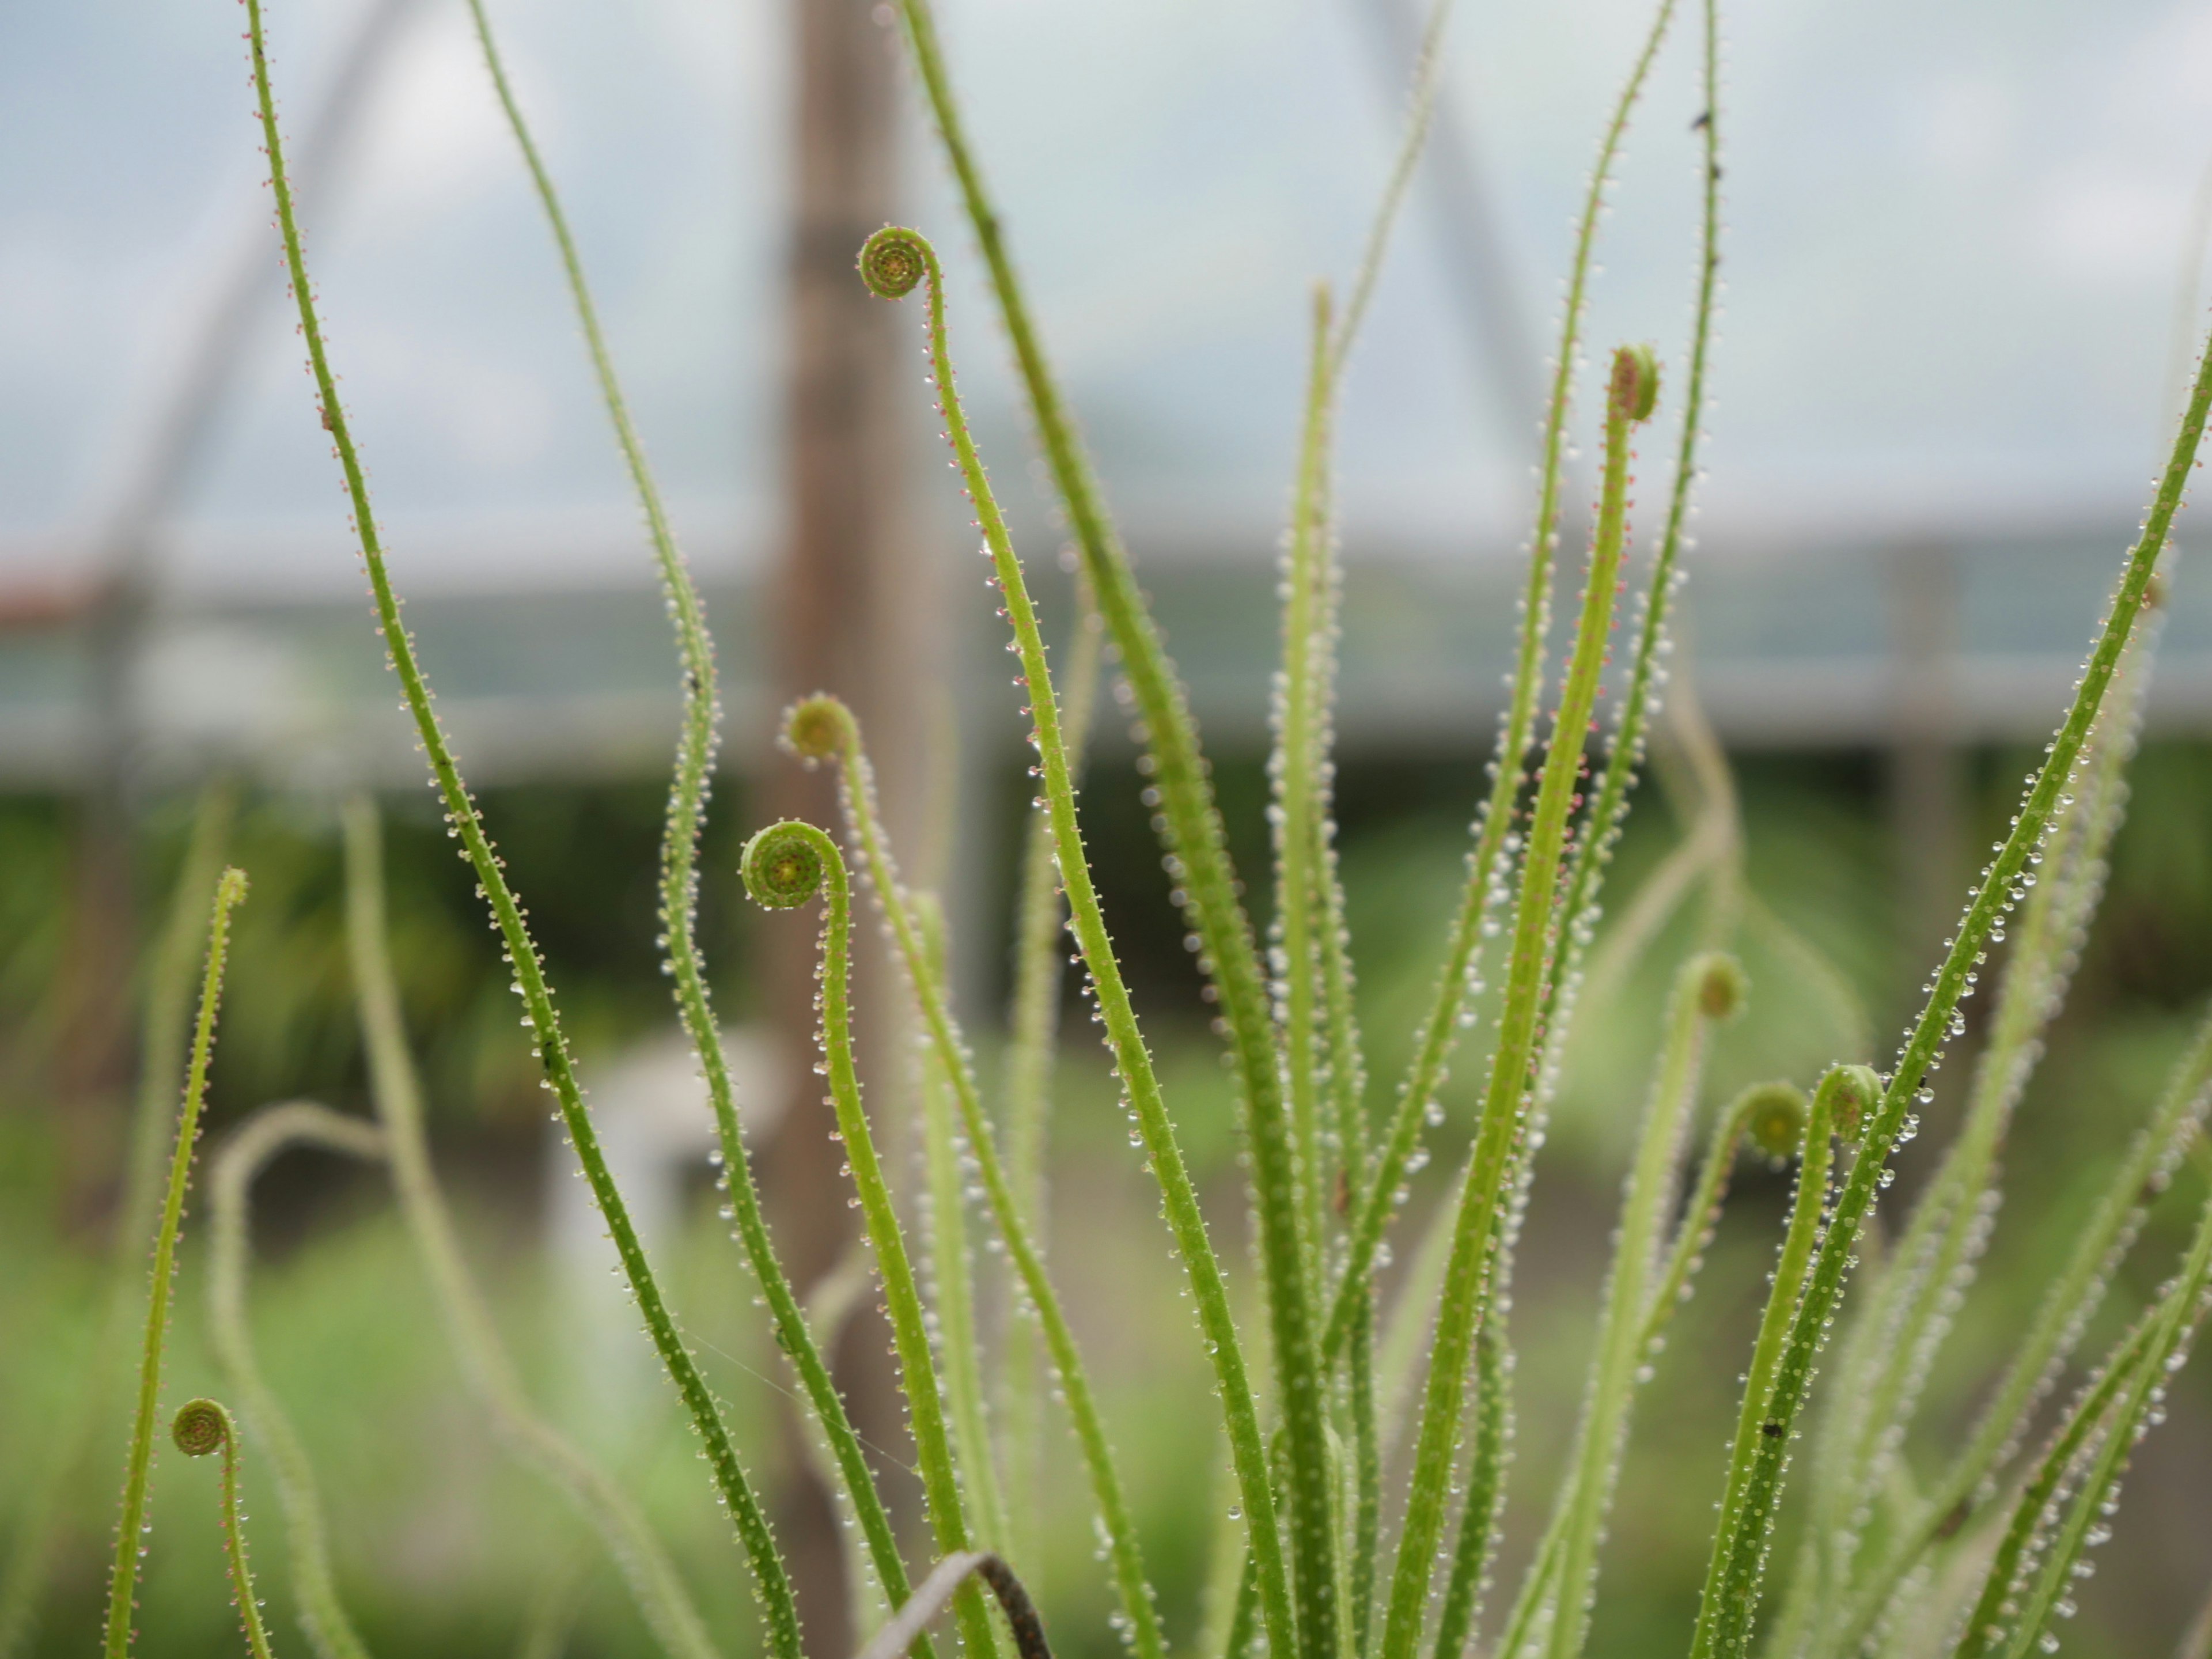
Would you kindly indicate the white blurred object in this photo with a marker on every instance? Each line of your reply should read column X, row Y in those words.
column 656, row 1125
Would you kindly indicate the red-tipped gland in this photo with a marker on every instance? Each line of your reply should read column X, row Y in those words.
column 1635, row 388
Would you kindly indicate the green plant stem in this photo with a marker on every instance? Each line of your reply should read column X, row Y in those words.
column 1205, row 890
column 486, row 1366
column 1724, row 1630
column 1428, row 72
column 1892, row 1344
column 1440, row 1030
column 910, row 940
column 1985, row 1628
column 1476, row 1227
column 1462, row 1611
column 779, row 1608
column 918, row 1381
column 1367, row 1534
column 1700, row 1217
column 250, row 1148
column 201, row 1426
column 1295, row 765
column 1602, row 827
column 1731, row 1579
column 2178, row 1313
column 163, row 1034
column 2098, row 1246
column 130, row 1528
column 1537, row 1598
column 692, row 781
column 1637, row 1275
column 1133, row 1063
column 1040, row 957
column 952, row 1265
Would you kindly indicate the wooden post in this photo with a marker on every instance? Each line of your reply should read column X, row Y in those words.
column 853, row 609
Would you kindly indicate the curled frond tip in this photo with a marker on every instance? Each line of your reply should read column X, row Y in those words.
column 1774, row 1115
column 1722, row 987
column 1850, row 1091
column 783, row 864
column 199, row 1427
column 894, row 261
column 1635, row 387
column 818, row 728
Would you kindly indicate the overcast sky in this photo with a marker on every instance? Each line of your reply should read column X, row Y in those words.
column 1955, row 234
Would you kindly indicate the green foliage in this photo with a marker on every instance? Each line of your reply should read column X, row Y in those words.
column 122, row 1585
column 199, row 1427
column 1345, row 1493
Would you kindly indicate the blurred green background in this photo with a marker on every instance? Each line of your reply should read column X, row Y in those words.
column 445, row 1547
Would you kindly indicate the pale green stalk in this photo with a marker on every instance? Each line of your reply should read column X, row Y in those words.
column 486, row 1366
column 1347, row 1088
column 1537, row 1599
column 946, row 1582
column 1840, row 1104
column 692, row 781
column 1033, row 1030
column 787, row 865
column 1702, row 1214
column 1440, row 1030
column 1632, row 391
column 163, row 1034
column 132, row 1526
column 1207, row 892
column 2179, row 1312
column 1133, row 1063
column 2100, row 1244
column 270, row 1131
column 1294, row 765
column 551, row 1616
column 1365, row 1537
column 200, row 1427
column 1887, row 1356
column 952, row 1265
column 1724, row 1626
column 1602, row 825
column 779, row 1609
column 1539, row 1594
column 1708, row 989
column 1484, row 1502
column 824, row 728
column 1985, row 1629
column 1428, row 71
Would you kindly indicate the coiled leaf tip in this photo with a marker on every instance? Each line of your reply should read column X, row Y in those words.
column 199, row 1427
column 893, row 262
column 819, row 728
column 1722, row 987
column 1635, row 386
column 1850, row 1091
column 783, row 866
column 1774, row 1115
